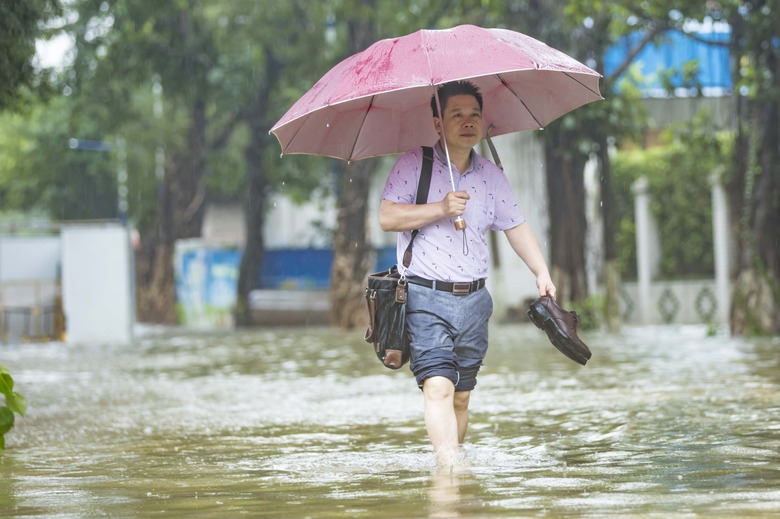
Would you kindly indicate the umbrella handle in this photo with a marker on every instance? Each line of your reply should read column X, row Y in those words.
column 460, row 223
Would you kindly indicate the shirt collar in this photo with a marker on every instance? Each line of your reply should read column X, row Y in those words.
column 443, row 158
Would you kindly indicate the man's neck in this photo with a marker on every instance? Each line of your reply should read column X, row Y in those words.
column 460, row 158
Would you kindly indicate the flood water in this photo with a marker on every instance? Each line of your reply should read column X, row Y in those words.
column 664, row 422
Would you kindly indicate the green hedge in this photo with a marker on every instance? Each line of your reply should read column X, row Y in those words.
column 678, row 174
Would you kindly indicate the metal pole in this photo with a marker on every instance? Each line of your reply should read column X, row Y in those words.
column 121, row 180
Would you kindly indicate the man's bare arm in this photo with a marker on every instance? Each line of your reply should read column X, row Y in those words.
column 526, row 246
column 395, row 217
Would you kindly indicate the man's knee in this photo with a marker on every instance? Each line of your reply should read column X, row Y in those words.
column 461, row 400
column 438, row 388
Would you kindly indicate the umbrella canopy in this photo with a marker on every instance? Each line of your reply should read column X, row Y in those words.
column 377, row 102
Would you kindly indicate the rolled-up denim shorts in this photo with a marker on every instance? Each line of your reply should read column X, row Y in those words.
column 449, row 334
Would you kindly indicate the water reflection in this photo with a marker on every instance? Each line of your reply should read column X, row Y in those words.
column 664, row 422
column 444, row 492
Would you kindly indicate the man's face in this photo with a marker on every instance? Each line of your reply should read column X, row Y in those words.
column 462, row 122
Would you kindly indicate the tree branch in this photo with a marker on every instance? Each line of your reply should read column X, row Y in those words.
column 696, row 37
column 649, row 37
column 220, row 140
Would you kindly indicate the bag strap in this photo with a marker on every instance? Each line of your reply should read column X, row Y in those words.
column 423, row 186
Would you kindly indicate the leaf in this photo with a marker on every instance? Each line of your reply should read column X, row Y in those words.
column 6, row 384
column 6, row 420
column 17, row 403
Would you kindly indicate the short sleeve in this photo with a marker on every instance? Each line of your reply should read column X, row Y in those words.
column 507, row 212
column 401, row 183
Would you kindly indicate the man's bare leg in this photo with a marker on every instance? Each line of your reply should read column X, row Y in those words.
column 440, row 419
column 461, row 404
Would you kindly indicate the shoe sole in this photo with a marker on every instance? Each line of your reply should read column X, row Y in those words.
column 544, row 321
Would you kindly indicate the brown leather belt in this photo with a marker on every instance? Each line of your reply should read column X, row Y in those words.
column 458, row 289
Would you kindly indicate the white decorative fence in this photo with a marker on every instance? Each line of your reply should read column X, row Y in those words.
column 654, row 301
column 672, row 302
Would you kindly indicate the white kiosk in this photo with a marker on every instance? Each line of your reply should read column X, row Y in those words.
column 98, row 295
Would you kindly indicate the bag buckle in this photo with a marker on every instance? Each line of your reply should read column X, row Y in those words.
column 400, row 291
column 461, row 289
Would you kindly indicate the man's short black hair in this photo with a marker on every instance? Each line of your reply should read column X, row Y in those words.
column 455, row 88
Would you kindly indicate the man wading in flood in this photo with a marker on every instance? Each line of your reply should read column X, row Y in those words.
column 448, row 307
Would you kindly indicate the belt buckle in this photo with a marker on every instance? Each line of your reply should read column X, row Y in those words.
column 461, row 289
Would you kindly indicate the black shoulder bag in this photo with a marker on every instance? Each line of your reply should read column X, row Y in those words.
column 386, row 293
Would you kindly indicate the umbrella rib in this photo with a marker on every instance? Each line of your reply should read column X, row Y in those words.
column 294, row 135
column 360, row 128
column 538, row 123
column 597, row 94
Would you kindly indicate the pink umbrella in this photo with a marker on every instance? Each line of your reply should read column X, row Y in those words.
column 377, row 102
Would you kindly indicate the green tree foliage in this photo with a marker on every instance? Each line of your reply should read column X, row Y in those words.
column 204, row 81
column 39, row 171
column 754, row 174
column 181, row 83
column 198, row 83
column 678, row 173
column 21, row 23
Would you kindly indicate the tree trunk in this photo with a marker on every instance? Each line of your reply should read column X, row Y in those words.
column 352, row 253
column 155, row 292
column 566, row 203
column 756, row 299
column 254, row 214
column 754, row 308
column 258, row 186
column 179, row 215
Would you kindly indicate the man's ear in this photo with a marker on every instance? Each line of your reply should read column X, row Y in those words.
column 437, row 124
